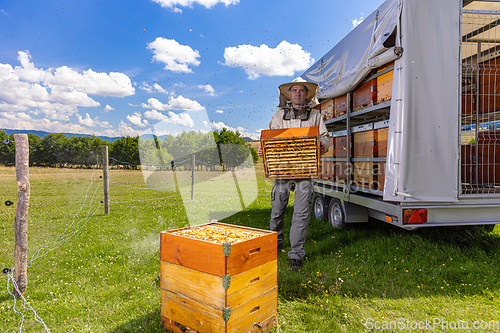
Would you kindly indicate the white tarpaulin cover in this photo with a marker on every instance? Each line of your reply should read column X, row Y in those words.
column 423, row 146
column 423, row 158
column 344, row 66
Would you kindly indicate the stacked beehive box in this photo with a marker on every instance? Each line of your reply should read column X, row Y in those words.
column 370, row 141
column 291, row 153
column 327, row 165
column 364, row 95
column 340, row 168
column 327, row 110
column 384, row 83
column 489, row 86
column 340, row 106
column 467, row 167
column 468, row 96
column 488, row 160
column 218, row 278
column 382, row 130
column 365, row 146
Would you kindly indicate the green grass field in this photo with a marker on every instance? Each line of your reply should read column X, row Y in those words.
column 96, row 273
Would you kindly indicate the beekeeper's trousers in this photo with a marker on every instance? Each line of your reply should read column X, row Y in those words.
column 301, row 212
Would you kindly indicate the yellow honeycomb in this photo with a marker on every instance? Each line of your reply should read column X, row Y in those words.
column 219, row 234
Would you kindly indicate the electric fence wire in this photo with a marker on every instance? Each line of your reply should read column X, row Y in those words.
column 64, row 237
column 152, row 188
column 142, row 200
column 214, row 165
column 175, row 164
column 59, row 241
column 26, row 303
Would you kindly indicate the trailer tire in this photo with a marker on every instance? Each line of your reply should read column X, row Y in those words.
column 336, row 215
column 320, row 207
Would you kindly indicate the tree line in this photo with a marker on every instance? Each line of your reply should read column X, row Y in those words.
column 57, row 150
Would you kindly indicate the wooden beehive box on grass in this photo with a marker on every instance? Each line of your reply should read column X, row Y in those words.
column 218, row 278
column 291, row 153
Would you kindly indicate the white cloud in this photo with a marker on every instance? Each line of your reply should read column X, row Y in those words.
column 55, row 93
column 175, row 56
column 243, row 131
column 208, row 89
column 89, row 122
column 22, row 120
column 219, row 111
column 175, row 103
column 284, row 60
column 89, row 82
column 156, row 88
column 108, row 108
column 12, row 116
column 189, row 3
column 103, row 124
column 183, row 119
column 356, row 22
column 135, row 120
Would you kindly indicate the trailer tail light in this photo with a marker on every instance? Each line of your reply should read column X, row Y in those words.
column 414, row 216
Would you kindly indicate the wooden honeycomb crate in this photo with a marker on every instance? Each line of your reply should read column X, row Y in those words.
column 291, row 153
column 226, row 283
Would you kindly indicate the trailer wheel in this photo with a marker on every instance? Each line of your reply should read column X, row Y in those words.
column 336, row 215
column 320, row 207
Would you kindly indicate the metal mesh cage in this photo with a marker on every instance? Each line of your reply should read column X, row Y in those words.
column 480, row 103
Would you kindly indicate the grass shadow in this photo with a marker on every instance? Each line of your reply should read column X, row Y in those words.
column 146, row 323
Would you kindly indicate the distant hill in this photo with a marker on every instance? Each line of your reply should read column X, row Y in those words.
column 69, row 135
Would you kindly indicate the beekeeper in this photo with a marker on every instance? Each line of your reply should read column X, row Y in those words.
column 296, row 102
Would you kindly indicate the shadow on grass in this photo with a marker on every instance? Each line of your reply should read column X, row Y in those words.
column 147, row 323
column 373, row 259
column 376, row 259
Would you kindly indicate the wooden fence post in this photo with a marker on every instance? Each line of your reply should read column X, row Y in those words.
column 192, row 176
column 21, row 218
column 105, row 172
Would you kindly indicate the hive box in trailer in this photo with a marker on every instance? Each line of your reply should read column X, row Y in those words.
column 412, row 99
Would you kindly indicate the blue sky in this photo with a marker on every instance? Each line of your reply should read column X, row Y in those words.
column 116, row 68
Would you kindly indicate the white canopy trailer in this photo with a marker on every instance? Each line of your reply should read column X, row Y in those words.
column 442, row 163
